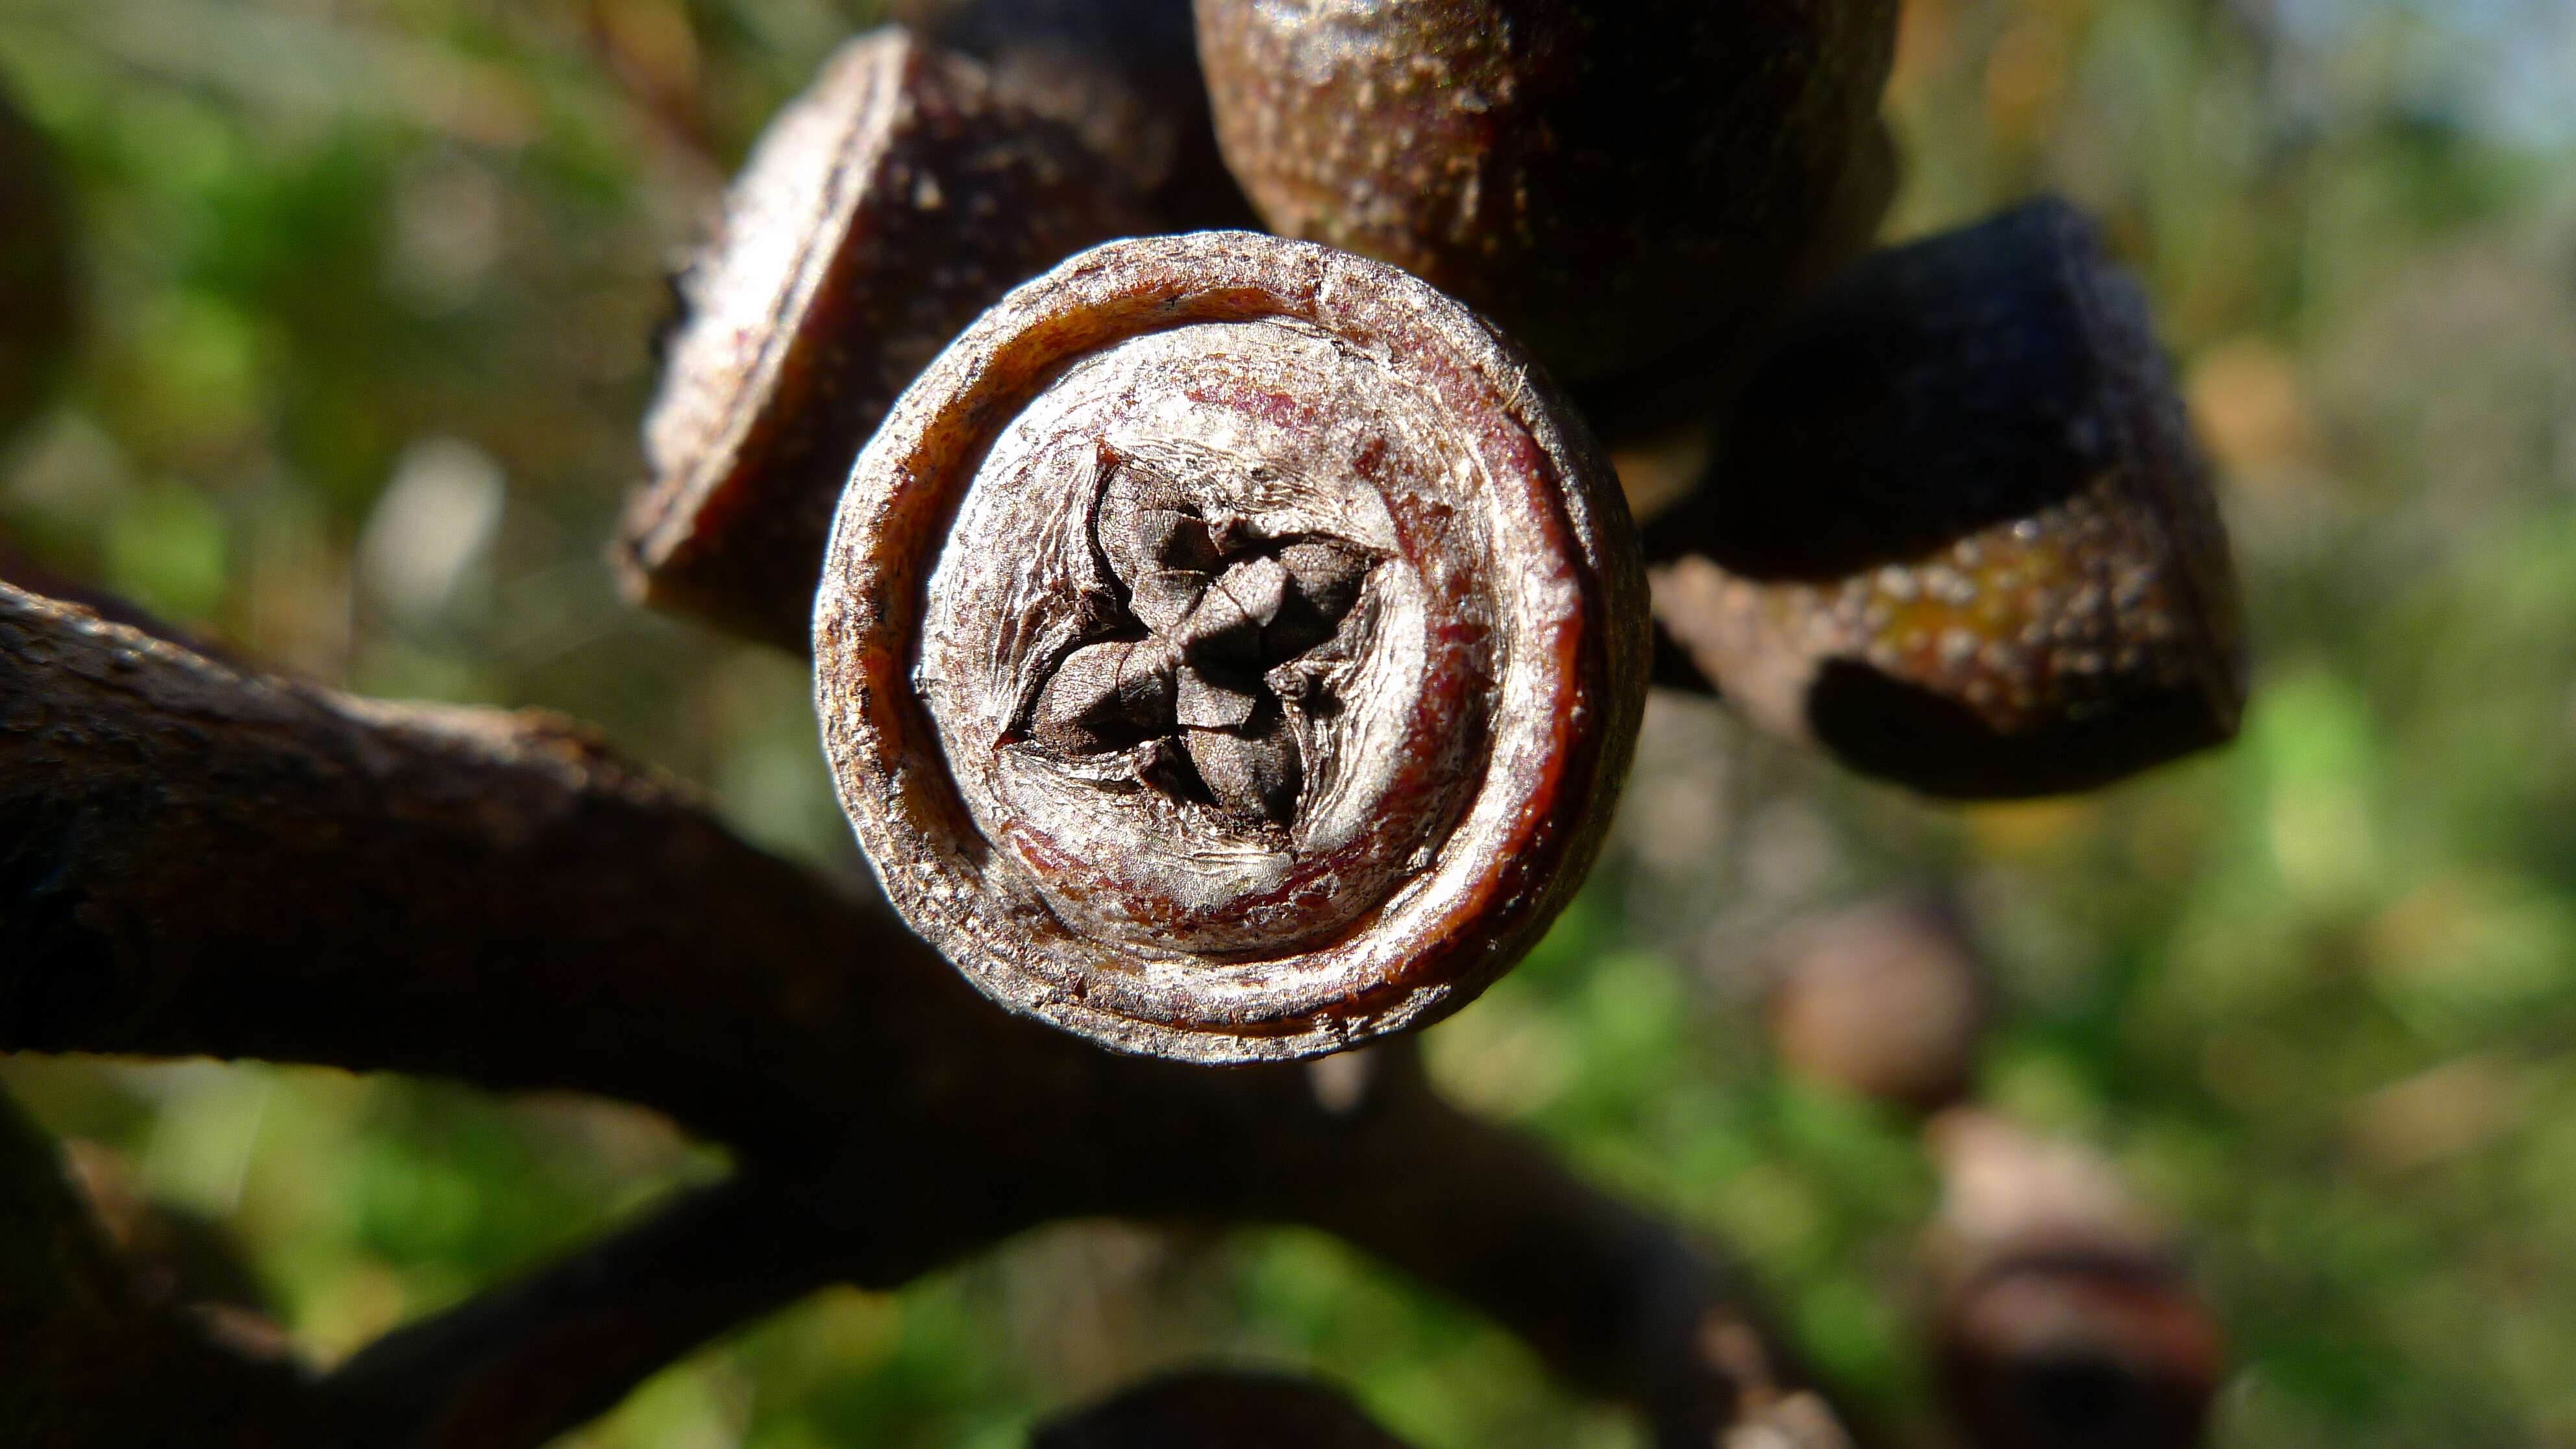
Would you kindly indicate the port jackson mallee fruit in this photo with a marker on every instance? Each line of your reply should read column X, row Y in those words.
column 1229, row 649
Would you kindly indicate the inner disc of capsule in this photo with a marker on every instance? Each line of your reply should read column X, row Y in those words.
column 1208, row 641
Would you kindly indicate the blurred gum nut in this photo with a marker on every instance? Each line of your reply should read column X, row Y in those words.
column 1886, row 1001
column 2063, row 1319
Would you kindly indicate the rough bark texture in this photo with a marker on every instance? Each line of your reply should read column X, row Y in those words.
column 198, row 861
column 1615, row 181
column 89, row 1361
column 881, row 211
column 195, row 860
column 1230, row 650
column 1959, row 533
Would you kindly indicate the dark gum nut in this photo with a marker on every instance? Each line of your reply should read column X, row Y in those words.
column 1614, row 181
column 1959, row 533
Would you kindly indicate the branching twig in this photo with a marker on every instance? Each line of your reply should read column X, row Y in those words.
column 87, row 1360
column 1614, row 1300
column 525, row 1362
column 199, row 861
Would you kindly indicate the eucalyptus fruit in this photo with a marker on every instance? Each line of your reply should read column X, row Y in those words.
column 1230, row 649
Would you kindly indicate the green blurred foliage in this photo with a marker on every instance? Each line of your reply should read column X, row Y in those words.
column 369, row 286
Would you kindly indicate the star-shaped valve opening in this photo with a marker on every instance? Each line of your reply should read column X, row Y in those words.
column 1223, row 642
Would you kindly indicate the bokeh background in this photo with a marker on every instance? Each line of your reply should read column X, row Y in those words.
column 370, row 283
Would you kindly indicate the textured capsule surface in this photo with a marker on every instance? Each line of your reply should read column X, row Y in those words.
column 1229, row 651
column 1124, row 74
column 1614, row 181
